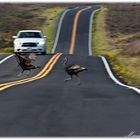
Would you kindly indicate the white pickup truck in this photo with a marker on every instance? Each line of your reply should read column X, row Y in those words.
column 30, row 41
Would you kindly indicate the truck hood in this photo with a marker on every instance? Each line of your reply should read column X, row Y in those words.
column 24, row 40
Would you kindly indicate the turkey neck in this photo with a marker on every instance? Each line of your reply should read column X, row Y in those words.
column 65, row 63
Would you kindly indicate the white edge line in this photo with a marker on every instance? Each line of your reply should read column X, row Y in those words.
column 90, row 31
column 3, row 60
column 113, row 77
column 59, row 28
column 104, row 59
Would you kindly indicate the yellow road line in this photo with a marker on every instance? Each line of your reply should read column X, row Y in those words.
column 73, row 37
column 48, row 67
column 34, row 76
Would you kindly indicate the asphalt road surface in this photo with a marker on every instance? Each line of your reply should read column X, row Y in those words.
column 51, row 107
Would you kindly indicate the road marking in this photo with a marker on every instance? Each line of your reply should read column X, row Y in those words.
column 114, row 78
column 90, row 31
column 6, row 58
column 73, row 37
column 59, row 28
column 48, row 67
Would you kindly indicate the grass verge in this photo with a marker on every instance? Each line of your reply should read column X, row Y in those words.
column 126, row 66
column 7, row 50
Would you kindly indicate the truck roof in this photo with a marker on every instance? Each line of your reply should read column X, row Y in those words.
column 30, row 31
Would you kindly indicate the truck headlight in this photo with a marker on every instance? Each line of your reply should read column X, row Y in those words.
column 17, row 43
column 41, row 42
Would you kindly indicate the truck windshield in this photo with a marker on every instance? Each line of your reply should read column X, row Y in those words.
column 29, row 35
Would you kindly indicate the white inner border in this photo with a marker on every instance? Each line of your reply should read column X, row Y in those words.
column 70, row 1
column 65, row 1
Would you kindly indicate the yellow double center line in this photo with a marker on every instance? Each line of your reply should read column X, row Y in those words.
column 47, row 68
column 73, row 37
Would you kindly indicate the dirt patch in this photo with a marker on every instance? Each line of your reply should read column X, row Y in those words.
column 132, row 48
column 123, row 18
column 123, row 26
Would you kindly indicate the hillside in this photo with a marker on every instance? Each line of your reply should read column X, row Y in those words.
column 123, row 23
column 15, row 17
column 117, row 36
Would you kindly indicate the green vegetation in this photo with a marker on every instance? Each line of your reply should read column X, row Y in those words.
column 125, row 65
column 52, row 16
column 7, row 50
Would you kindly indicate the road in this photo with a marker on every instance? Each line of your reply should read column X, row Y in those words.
column 45, row 105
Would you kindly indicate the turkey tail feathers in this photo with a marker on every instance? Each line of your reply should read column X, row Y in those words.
column 84, row 69
column 81, row 69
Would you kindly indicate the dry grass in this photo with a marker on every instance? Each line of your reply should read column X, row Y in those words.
column 121, row 49
column 123, row 18
column 15, row 17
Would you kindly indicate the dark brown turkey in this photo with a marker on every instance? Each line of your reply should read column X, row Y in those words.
column 73, row 70
column 25, row 62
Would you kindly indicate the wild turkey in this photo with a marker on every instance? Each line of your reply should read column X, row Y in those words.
column 25, row 62
column 73, row 70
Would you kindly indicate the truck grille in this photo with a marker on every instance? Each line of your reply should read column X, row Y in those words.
column 29, row 44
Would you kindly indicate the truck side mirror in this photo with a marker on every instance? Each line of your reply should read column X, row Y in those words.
column 45, row 37
column 14, row 37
